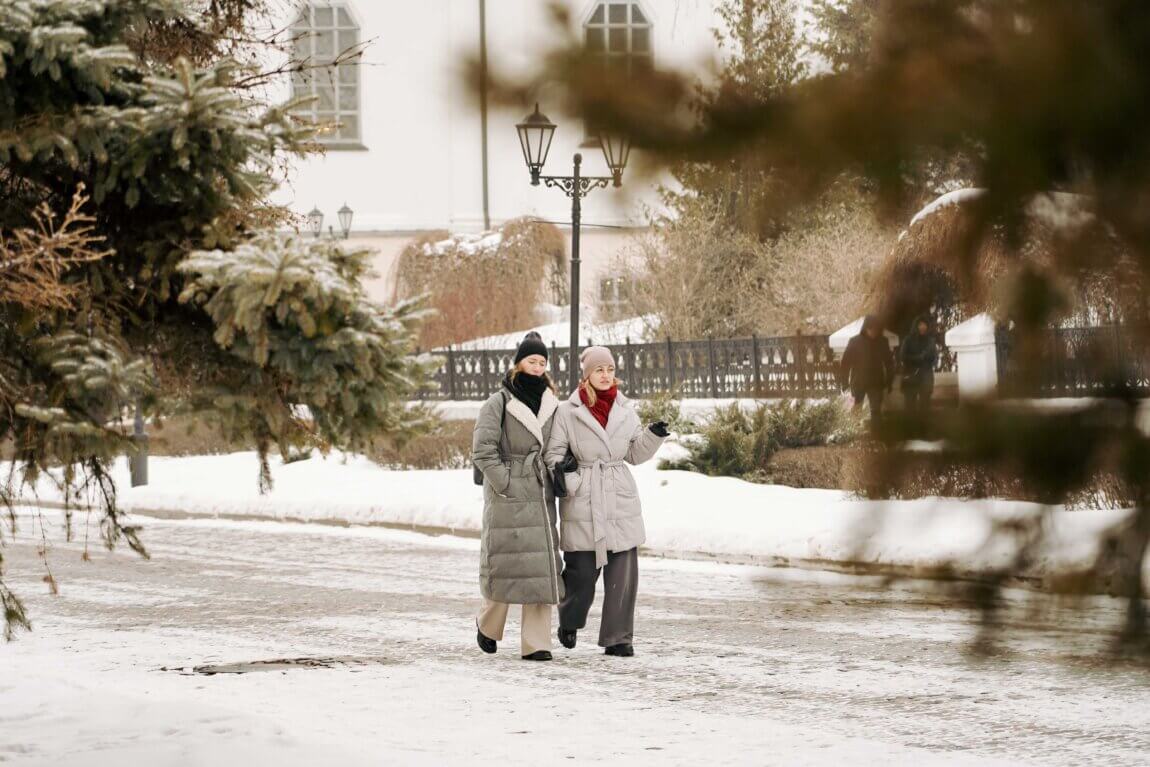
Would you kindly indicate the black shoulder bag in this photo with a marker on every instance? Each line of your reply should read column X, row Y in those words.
column 477, row 475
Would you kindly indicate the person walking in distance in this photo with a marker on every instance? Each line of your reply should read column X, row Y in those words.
column 867, row 369
column 919, row 354
column 519, row 545
column 596, row 434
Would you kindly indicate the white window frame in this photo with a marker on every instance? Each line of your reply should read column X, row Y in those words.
column 337, row 89
column 626, row 39
column 620, row 289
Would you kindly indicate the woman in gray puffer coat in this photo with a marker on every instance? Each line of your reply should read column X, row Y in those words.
column 519, row 546
column 601, row 518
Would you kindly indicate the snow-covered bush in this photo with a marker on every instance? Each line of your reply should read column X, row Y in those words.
column 739, row 444
column 483, row 284
column 664, row 406
column 447, row 447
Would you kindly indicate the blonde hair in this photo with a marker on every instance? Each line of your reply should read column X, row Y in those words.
column 592, row 396
column 515, row 371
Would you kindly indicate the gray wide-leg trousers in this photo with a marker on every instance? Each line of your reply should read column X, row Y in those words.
column 620, row 585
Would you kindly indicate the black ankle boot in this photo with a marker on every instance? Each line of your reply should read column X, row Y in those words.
column 487, row 644
column 538, row 655
column 567, row 638
column 624, row 650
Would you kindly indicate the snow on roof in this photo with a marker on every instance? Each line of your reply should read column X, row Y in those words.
column 468, row 243
column 637, row 329
column 957, row 197
column 1059, row 210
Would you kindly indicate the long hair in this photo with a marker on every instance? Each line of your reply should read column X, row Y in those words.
column 592, row 396
column 515, row 371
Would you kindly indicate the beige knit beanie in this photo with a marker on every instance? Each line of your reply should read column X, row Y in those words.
column 594, row 356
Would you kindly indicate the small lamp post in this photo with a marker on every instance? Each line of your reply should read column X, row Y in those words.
column 315, row 221
column 138, row 462
column 535, row 134
column 345, row 213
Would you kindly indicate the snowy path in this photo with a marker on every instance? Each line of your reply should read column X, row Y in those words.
column 735, row 665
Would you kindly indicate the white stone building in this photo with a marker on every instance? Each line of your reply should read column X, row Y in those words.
column 409, row 157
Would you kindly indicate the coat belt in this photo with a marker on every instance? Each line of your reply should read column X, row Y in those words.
column 535, row 458
column 602, row 505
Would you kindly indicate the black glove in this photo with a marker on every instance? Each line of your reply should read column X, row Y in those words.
column 569, row 463
column 659, row 429
column 558, row 483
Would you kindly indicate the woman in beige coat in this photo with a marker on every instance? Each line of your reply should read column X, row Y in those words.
column 601, row 519
column 519, row 546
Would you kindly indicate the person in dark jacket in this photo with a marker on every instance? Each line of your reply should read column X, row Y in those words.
column 519, row 543
column 867, row 368
column 918, row 355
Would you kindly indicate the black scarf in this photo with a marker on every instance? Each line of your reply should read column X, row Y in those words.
column 528, row 389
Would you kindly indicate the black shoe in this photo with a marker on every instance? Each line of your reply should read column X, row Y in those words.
column 567, row 638
column 538, row 655
column 624, row 650
column 486, row 644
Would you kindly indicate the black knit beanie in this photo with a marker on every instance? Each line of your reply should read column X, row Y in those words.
column 532, row 343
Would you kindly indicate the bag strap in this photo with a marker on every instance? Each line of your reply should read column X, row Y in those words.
column 502, row 417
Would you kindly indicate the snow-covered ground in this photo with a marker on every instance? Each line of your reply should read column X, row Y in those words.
column 734, row 665
column 687, row 515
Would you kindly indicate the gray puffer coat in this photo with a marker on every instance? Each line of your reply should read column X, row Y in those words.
column 519, row 549
column 601, row 512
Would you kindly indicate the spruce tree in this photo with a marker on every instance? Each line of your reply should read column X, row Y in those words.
column 845, row 31
column 135, row 268
column 762, row 59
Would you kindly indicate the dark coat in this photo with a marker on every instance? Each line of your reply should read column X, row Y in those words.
column 867, row 363
column 519, row 559
column 919, row 354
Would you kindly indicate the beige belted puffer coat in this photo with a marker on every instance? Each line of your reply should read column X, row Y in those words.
column 519, row 547
column 601, row 512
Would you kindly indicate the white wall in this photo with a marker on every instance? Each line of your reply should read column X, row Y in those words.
column 422, row 169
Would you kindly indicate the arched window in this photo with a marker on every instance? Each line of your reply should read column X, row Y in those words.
column 326, row 48
column 619, row 33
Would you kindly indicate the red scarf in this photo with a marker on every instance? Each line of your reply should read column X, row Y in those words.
column 603, row 402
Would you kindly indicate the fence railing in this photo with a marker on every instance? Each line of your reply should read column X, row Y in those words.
column 1074, row 362
column 793, row 366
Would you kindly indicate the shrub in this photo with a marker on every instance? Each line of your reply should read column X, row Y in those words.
column 448, row 447
column 887, row 474
column 727, row 446
column 664, row 406
column 182, row 435
column 736, row 444
column 828, row 467
column 485, row 284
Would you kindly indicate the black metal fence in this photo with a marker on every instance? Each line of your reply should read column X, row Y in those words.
column 794, row 366
column 1074, row 362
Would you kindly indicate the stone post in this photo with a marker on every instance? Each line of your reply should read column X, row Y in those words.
column 976, row 356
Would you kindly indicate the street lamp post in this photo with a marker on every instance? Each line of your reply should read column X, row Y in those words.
column 344, row 214
column 535, row 134
column 315, row 222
